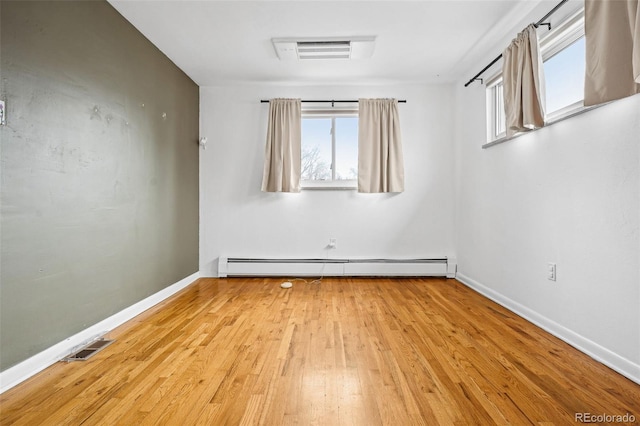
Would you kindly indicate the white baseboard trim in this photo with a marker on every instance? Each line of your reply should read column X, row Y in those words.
column 622, row 365
column 31, row 366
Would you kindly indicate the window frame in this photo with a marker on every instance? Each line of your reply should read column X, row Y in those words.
column 333, row 183
column 560, row 38
column 565, row 34
column 495, row 115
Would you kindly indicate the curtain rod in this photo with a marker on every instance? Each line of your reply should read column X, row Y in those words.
column 537, row 24
column 265, row 101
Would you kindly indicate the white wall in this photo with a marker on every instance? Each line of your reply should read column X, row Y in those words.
column 568, row 193
column 237, row 219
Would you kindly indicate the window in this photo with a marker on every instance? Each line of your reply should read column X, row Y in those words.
column 564, row 79
column 563, row 56
column 495, row 106
column 329, row 149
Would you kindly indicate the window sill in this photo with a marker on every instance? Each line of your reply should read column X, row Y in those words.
column 331, row 185
column 553, row 119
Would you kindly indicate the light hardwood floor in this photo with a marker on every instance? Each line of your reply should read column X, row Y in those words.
column 345, row 351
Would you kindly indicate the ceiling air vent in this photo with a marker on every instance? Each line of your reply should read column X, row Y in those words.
column 325, row 48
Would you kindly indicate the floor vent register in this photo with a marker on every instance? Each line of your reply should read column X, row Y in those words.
column 88, row 351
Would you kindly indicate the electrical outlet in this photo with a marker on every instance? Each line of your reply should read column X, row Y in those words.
column 551, row 271
column 333, row 243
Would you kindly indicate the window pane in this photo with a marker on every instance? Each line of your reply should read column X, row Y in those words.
column 346, row 148
column 316, row 149
column 564, row 77
column 501, row 124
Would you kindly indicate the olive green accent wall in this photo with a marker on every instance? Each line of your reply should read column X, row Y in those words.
column 99, row 169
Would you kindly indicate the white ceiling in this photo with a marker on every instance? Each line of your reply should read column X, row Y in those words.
column 215, row 42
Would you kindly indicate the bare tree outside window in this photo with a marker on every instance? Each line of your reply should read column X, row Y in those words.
column 313, row 168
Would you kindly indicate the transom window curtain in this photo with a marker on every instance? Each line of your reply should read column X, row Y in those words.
column 523, row 81
column 612, row 44
column 380, row 164
column 282, row 151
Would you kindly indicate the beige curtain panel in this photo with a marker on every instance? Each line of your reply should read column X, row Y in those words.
column 282, row 152
column 523, row 81
column 380, row 165
column 612, row 36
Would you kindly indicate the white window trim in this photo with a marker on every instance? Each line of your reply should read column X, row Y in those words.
column 492, row 119
column 565, row 34
column 330, row 184
column 562, row 36
column 335, row 185
column 558, row 119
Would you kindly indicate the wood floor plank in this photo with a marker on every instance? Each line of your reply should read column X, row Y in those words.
column 343, row 352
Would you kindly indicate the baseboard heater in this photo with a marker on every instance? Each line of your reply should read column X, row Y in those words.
column 252, row 267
